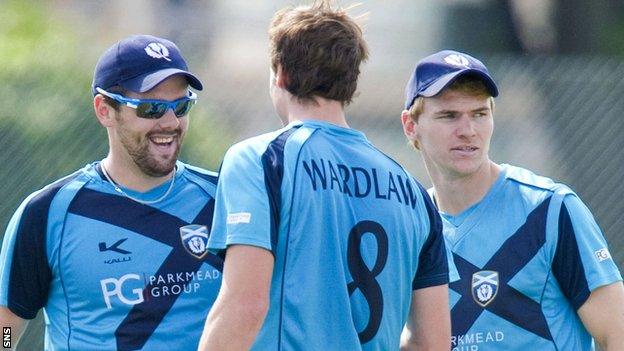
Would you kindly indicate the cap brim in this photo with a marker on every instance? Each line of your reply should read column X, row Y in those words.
column 448, row 79
column 148, row 81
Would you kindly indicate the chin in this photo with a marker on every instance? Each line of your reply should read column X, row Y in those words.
column 166, row 166
column 157, row 166
column 466, row 168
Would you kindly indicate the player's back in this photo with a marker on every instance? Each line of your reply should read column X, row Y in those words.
column 350, row 223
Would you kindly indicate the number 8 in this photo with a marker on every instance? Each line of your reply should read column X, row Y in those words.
column 364, row 278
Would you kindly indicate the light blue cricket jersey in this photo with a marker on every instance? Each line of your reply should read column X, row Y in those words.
column 528, row 254
column 351, row 231
column 112, row 273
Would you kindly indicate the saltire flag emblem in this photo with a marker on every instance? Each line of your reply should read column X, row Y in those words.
column 195, row 239
column 484, row 287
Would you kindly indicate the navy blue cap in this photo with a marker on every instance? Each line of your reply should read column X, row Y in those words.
column 436, row 72
column 139, row 63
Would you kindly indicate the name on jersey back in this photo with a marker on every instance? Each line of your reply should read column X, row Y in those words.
column 360, row 182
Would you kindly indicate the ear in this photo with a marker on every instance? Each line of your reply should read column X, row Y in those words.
column 410, row 128
column 281, row 79
column 103, row 111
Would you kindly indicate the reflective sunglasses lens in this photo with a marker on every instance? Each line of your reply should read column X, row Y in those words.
column 151, row 110
column 183, row 107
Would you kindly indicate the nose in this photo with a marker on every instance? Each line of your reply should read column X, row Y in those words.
column 466, row 126
column 169, row 120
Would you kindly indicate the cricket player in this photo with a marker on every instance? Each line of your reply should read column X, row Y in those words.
column 535, row 270
column 329, row 244
column 115, row 253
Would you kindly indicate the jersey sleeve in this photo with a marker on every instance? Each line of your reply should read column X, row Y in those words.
column 242, row 210
column 582, row 261
column 434, row 258
column 25, row 274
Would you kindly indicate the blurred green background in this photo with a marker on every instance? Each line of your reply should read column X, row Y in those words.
column 558, row 64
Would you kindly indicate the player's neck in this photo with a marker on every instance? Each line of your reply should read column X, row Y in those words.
column 127, row 174
column 330, row 111
column 456, row 194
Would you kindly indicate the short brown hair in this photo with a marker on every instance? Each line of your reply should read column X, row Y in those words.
column 319, row 50
column 467, row 83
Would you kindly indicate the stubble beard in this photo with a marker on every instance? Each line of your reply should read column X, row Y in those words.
column 139, row 150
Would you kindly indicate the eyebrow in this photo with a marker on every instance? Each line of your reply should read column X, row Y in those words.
column 444, row 112
column 480, row 109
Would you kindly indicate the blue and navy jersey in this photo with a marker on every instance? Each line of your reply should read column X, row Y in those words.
column 109, row 272
column 351, row 232
column 528, row 255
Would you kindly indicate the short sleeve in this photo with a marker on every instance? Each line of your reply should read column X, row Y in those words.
column 242, row 211
column 582, row 261
column 434, row 258
column 25, row 274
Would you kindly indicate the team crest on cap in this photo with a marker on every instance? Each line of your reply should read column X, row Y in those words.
column 484, row 287
column 457, row 60
column 158, row 51
column 194, row 239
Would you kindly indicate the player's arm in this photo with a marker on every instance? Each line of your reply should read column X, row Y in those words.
column 603, row 316
column 429, row 322
column 17, row 324
column 428, row 325
column 24, row 271
column 587, row 274
column 243, row 301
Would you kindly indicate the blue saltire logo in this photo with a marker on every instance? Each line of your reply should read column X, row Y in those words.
column 484, row 287
column 195, row 239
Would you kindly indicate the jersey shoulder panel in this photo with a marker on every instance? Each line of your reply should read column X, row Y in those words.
column 248, row 192
column 206, row 180
column 202, row 173
column 26, row 272
column 527, row 178
column 257, row 145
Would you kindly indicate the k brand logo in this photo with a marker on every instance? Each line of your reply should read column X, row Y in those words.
column 115, row 247
column 114, row 287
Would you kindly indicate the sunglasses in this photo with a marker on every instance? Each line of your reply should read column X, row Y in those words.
column 154, row 109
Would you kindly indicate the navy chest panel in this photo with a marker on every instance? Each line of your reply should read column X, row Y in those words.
column 186, row 254
column 487, row 287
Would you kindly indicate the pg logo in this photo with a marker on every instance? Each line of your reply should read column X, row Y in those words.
column 602, row 254
column 112, row 287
